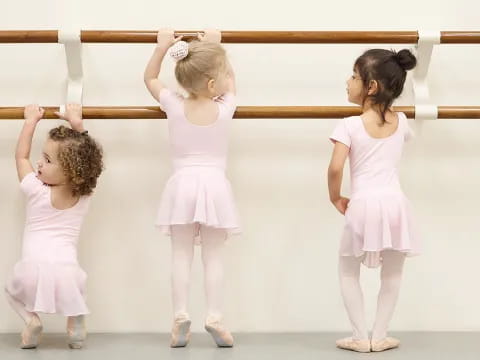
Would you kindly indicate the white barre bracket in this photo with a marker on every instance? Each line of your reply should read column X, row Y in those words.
column 424, row 109
column 73, row 51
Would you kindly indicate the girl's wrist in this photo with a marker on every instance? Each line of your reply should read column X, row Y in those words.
column 163, row 46
column 31, row 120
column 78, row 128
column 334, row 199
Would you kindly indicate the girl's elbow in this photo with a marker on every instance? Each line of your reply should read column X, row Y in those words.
column 334, row 171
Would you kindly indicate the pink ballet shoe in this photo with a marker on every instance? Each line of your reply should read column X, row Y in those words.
column 385, row 344
column 180, row 331
column 32, row 333
column 76, row 332
column 362, row 346
column 221, row 336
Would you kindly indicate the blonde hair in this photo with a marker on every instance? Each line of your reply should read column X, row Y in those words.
column 205, row 61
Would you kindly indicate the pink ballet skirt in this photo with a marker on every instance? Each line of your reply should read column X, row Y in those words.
column 198, row 192
column 48, row 278
column 200, row 195
column 51, row 288
column 379, row 216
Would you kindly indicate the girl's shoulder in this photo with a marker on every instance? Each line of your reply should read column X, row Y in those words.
column 228, row 103
column 31, row 185
column 84, row 203
column 404, row 126
column 402, row 118
column 168, row 93
column 169, row 99
column 353, row 123
column 345, row 130
column 226, row 98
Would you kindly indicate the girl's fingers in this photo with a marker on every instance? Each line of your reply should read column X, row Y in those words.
column 177, row 39
column 60, row 115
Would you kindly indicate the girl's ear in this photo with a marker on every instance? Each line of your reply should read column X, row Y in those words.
column 211, row 85
column 372, row 87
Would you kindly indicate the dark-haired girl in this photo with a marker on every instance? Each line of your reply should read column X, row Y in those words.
column 378, row 221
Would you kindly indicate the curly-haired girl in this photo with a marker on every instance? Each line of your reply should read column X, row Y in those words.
column 48, row 278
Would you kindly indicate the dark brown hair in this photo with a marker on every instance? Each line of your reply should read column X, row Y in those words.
column 80, row 157
column 389, row 69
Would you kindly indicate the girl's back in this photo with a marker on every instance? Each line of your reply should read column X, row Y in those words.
column 373, row 160
column 197, row 145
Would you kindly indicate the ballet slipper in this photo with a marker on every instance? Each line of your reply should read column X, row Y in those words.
column 32, row 333
column 76, row 332
column 385, row 344
column 349, row 343
column 220, row 334
column 180, row 331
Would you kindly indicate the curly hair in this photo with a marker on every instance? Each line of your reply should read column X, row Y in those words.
column 80, row 157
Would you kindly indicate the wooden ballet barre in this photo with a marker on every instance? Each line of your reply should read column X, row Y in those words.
column 284, row 37
column 246, row 112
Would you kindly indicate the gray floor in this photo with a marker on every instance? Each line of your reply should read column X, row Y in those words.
column 422, row 345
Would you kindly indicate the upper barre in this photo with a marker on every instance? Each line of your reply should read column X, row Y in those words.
column 279, row 37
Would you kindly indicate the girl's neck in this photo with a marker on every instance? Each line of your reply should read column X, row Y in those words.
column 199, row 97
column 63, row 190
column 61, row 197
column 374, row 109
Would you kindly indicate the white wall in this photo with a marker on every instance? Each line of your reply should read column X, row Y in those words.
column 282, row 272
